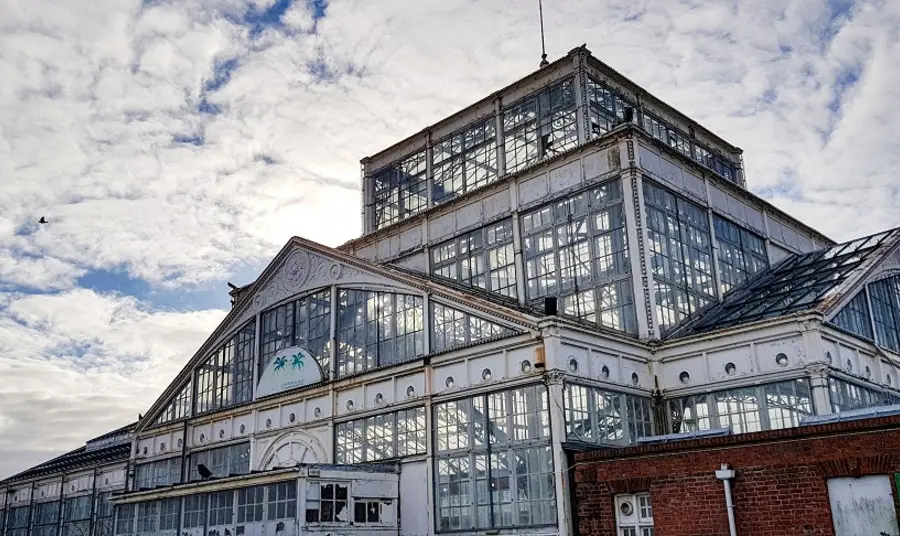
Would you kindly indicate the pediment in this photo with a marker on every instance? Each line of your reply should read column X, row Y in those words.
column 301, row 269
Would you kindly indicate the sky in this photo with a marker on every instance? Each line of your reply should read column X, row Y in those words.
column 176, row 145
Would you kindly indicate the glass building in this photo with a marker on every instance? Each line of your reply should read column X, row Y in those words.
column 567, row 264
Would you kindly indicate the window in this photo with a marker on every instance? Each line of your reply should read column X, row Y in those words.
column 77, row 516
column 179, row 408
column 46, row 518
column 607, row 109
column 885, row 295
column 846, row 396
column 377, row 329
column 494, row 467
column 741, row 254
column 147, row 517
column 282, row 498
column 746, row 409
column 464, row 161
column 125, row 519
column 366, row 511
column 221, row 508
column 481, row 259
column 103, row 526
column 327, row 502
column 305, row 322
column 169, row 515
column 577, row 249
column 17, row 521
column 854, row 317
column 717, row 163
column 680, row 255
column 634, row 515
column 226, row 377
column 222, row 461
column 159, row 473
column 195, row 511
column 250, row 504
column 603, row 417
column 453, row 328
column 669, row 135
column 399, row 191
column 381, row 437
column 540, row 126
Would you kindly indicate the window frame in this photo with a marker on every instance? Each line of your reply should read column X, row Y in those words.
column 488, row 441
column 347, row 452
column 474, row 259
column 761, row 418
column 528, row 125
column 334, row 500
column 595, row 283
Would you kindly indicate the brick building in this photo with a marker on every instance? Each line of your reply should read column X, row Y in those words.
column 822, row 479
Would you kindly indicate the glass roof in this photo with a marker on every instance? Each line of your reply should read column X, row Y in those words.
column 799, row 283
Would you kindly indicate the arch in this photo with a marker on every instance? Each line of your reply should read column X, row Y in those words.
column 293, row 448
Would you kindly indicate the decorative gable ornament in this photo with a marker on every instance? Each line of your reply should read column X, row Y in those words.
column 290, row 368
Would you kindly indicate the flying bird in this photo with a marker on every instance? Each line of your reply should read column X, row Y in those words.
column 43, row 220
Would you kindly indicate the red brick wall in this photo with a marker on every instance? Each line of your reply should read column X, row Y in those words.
column 779, row 488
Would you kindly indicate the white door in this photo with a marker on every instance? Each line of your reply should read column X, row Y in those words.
column 862, row 506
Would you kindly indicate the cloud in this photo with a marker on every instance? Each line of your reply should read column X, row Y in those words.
column 78, row 364
column 178, row 144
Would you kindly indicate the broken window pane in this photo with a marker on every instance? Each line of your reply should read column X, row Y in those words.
column 540, row 126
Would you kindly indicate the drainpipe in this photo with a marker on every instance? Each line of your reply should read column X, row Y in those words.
column 726, row 474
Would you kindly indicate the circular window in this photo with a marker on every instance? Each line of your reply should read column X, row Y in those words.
column 349, row 405
column 72, row 487
column 221, row 434
column 202, row 438
column 626, row 508
column 888, row 378
column 829, row 358
column 730, row 369
column 634, row 378
column 573, row 365
column 292, row 417
column 781, row 359
column 317, row 412
column 42, row 494
column 145, row 451
column 179, row 443
column 449, row 382
column 868, row 372
column 379, row 399
column 410, row 391
column 268, row 423
column 849, row 366
column 604, row 371
column 486, row 374
column 106, row 482
column 526, row 366
column 162, row 447
column 684, row 377
column 243, row 428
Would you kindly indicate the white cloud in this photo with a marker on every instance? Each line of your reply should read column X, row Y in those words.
column 78, row 364
column 96, row 93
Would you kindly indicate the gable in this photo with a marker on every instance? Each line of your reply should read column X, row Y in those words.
column 301, row 272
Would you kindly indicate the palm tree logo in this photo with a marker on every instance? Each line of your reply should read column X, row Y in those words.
column 280, row 363
column 297, row 361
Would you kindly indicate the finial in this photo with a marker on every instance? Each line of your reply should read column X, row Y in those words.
column 544, row 61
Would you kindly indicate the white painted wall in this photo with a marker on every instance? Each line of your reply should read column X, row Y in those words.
column 862, row 506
